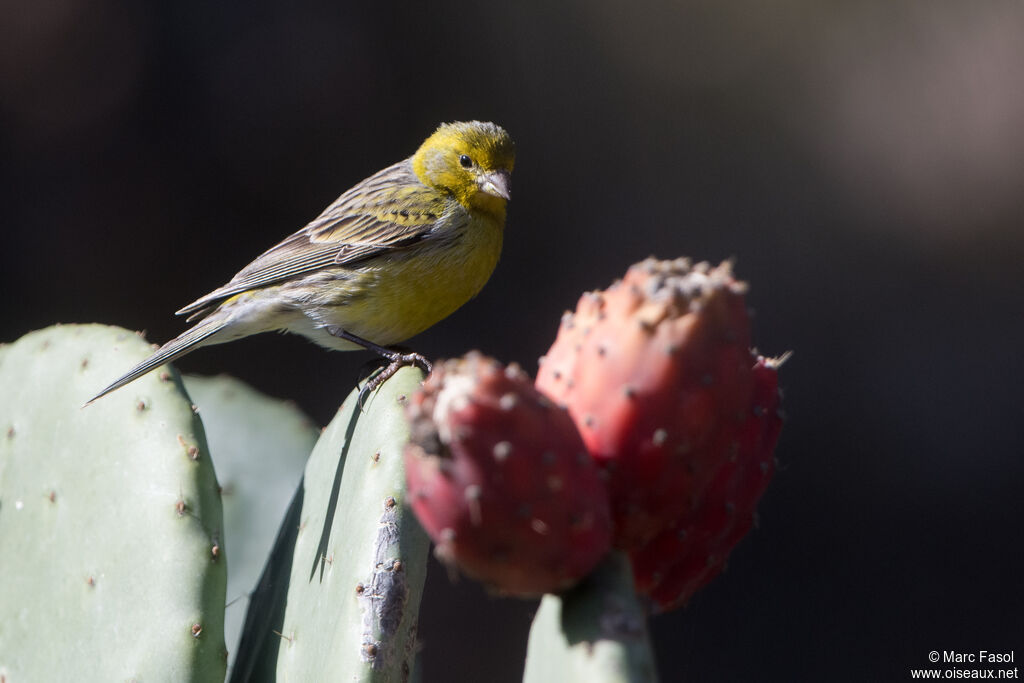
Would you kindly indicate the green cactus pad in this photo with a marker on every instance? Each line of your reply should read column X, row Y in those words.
column 594, row 633
column 111, row 552
column 340, row 595
column 260, row 446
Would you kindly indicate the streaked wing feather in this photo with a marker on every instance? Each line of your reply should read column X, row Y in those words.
column 387, row 211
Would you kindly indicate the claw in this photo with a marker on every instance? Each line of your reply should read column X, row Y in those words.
column 398, row 361
column 397, row 358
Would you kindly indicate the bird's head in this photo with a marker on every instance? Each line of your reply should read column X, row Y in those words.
column 472, row 161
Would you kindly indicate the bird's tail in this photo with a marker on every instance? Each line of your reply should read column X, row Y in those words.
column 176, row 348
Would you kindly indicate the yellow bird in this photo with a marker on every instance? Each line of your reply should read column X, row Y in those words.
column 390, row 257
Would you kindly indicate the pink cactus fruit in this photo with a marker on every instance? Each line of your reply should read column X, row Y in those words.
column 500, row 479
column 657, row 373
column 684, row 557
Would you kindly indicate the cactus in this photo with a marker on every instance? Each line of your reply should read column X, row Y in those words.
column 111, row 542
column 260, row 446
column 651, row 427
column 500, row 479
column 340, row 595
column 594, row 633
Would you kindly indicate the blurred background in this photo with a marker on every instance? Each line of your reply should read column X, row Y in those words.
column 863, row 162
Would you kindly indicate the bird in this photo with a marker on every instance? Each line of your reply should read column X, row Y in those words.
column 389, row 258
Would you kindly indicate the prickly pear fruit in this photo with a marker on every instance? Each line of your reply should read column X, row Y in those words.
column 693, row 550
column 656, row 372
column 500, row 479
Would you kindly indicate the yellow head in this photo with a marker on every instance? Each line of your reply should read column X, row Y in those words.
column 471, row 161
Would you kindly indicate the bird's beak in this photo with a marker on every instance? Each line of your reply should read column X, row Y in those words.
column 496, row 183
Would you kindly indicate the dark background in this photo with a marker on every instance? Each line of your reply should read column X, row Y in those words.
column 864, row 164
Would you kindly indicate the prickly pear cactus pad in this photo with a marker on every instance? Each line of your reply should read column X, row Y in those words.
column 594, row 633
column 342, row 604
column 261, row 445
column 111, row 543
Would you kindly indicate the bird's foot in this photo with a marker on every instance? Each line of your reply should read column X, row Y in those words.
column 398, row 360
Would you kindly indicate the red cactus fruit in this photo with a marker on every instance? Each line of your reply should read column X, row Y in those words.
column 656, row 371
column 693, row 550
column 501, row 481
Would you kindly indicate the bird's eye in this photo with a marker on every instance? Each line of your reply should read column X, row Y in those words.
column 465, row 161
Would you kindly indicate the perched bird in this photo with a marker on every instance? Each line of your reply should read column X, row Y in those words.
column 390, row 257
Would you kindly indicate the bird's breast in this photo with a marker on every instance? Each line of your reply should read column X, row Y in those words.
column 398, row 295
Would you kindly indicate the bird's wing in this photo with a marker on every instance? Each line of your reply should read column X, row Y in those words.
column 389, row 210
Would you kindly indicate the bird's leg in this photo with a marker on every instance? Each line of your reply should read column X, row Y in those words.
column 397, row 360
